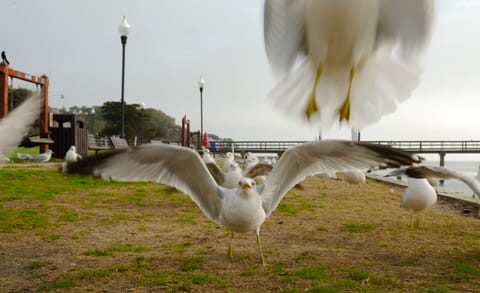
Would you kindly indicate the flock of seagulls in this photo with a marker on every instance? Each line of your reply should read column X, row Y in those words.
column 231, row 173
column 244, row 207
column 342, row 60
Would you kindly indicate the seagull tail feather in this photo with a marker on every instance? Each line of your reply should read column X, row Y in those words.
column 381, row 83
column 293, row 93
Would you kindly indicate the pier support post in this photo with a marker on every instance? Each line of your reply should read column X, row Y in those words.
column 442, row 164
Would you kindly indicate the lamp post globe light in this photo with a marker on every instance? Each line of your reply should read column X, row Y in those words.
column 201, row 85
column 123, row 29
column 92, row 112
column 142, row 107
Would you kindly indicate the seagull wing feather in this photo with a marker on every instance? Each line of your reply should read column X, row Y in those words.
column 259, row 169
column 284, row 25
column 176, row 166
column 16, row 124
column 444, row 173
column 407, row 22
column 317, row 157
column 216, row 173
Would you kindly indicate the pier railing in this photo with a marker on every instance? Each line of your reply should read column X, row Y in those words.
column 435, row 146
column 415, row 146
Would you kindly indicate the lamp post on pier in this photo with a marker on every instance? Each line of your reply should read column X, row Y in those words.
column 142, row 108
column 124, row 29
column 92, row 112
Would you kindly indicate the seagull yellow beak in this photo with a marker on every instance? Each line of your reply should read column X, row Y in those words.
column 246, row 186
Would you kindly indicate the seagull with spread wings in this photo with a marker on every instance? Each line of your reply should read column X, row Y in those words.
column 345, row 60
column 243, row 208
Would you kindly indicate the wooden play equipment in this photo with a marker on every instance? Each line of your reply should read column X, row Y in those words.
column 187, row 136
column 5, row 73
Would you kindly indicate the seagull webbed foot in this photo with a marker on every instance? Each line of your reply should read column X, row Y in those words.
column 312, row 104
column 344, row 111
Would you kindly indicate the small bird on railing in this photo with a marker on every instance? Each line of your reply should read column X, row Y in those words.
column 4, row 58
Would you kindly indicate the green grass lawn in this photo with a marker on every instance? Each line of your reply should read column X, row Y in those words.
column 62, row 233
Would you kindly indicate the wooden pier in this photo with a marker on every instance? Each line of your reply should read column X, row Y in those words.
column 440, row 147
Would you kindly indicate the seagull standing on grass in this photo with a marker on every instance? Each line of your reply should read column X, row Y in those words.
column 354, row 177
column 72, row 155
column 15, row 125
column 207, row 157
column 420, row 195
column 358, row 59
column 43, row 157
column 230, row 158
column 233, row 174
column 243, row 208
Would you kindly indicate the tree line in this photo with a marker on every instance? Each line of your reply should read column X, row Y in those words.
column 104, row 120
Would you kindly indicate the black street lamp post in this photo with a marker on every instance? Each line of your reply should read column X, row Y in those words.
column 142, row 108
column 124, row 29
column 201, row 85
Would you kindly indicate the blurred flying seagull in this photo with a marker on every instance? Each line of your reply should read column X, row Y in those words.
column 15, row 125
column 358, row 59
column 243, row 208
column 420, row 195
column 4, row 58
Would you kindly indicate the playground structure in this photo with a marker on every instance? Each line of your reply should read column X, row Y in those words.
column 43, row 82
column 187, row 138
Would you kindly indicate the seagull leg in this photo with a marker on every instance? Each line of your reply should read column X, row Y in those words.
column 259, row 244
column 312, row 104
column 417, row 221
column 230, row 247
column 411, row 219
column 344, row 111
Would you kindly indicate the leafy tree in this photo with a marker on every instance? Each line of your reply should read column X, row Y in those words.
column 105, row 119
column 16, row 96
column 155, row 123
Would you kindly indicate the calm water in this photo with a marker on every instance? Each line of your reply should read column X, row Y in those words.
column 455, row 186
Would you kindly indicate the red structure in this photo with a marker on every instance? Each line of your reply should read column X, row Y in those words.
column 187, row 136
column 5, row 73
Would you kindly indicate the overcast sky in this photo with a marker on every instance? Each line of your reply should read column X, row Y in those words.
column 172, row 43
